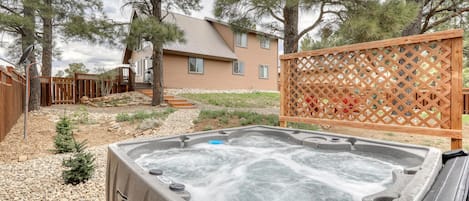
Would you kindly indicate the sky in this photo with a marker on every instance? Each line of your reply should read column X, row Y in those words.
column 93, row 55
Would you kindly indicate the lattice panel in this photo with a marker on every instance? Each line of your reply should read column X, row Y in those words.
column 402, row 84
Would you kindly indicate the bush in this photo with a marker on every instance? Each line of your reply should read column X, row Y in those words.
column 123, row 117
column 63, row 141
column 80, row 167
column 82, row 116
column 142, row 115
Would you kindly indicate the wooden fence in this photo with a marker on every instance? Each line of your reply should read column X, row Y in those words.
column 59, row 90
column 12, row 90
column 409, row 84
column 465, row 100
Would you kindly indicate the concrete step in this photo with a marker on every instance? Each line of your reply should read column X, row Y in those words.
column 139, row 85
column 172, row 101
column 168, row 97
column 181, row 104
column 185, row 107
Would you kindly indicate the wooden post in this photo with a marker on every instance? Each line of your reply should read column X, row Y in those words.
column 74, row 88
column 283, row 92
column 456, row 90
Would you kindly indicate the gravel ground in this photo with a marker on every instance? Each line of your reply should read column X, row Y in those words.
column 40, row 179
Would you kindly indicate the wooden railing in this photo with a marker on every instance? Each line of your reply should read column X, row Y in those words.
column 409, row 84
column 465, row 100
column 59, row 90
column 12, row 90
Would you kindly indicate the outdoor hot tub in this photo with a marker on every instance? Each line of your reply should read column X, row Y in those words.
column 268, row 163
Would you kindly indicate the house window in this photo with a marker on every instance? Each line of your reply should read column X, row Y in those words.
column 241, row 39
column 196, row 65
column 264, row 72
column 139, row 66
column 238, row 68
column 265, row 42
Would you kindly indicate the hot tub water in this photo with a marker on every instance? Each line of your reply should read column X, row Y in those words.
column 258, row 168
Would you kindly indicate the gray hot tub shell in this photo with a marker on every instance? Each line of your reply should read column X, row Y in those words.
column 125, row 180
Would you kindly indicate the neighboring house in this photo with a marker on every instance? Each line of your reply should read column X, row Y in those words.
column 213, row 57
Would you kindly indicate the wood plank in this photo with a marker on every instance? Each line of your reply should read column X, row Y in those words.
column 283, row 92
column 456, row 89
column 455, row 134
column 456, row 33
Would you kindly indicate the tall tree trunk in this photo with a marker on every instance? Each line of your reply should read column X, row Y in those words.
column 158, row 89
column 47, row 42
column 416, row 26
column 28, row 39
column 290, row 14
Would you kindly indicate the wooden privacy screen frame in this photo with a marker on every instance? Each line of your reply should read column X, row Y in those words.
column 410, row 84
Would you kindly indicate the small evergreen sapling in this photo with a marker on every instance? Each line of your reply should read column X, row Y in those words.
column 80, row 167
column 63, row 141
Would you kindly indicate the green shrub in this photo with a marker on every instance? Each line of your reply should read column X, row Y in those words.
column 80, row 167
column 207, row 128
column 303, row 126
column 82, row 116
column 63, row 140
column 123, row 117
column 142, row 115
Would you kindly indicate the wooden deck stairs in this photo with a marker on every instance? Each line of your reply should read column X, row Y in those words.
column 173, row 101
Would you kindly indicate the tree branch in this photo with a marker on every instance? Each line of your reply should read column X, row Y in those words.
column 275, row 15
column 166, row 14
column 435, row 9
column 9, row 9
column 316, row 23
column 427, row 27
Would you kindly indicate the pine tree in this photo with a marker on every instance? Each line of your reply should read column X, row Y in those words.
column 80, row 167
column 63, row 140
column 433, row 14
column 76, row 68
column 374, row 20
column 73, row 19
column 152, row 28
column 79, row 19
column 277, row 16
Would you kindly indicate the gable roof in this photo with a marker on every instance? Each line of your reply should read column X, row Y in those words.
column 200, row 39
column 258, row 32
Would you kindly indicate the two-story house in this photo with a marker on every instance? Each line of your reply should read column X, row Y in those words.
column 213, row 57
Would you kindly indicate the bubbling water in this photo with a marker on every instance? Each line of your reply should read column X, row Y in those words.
column 262, row 168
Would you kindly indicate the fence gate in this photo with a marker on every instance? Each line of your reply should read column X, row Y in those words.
column 62, row 90
column 410, row 84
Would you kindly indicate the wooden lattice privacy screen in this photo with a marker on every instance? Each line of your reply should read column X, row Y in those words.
column 409, row 84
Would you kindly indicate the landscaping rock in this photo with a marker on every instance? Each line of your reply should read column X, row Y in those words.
column 149, row 123
column 39, row 178
column 84, row 99
column 22, row 158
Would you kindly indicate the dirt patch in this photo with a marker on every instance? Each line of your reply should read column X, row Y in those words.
column 101, row 129
column 425, row 140
column 117, row 100
column 213, row 124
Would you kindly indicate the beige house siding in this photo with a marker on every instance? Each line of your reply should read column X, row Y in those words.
column 217, row 75
column 218, row 72
column 253, row 56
